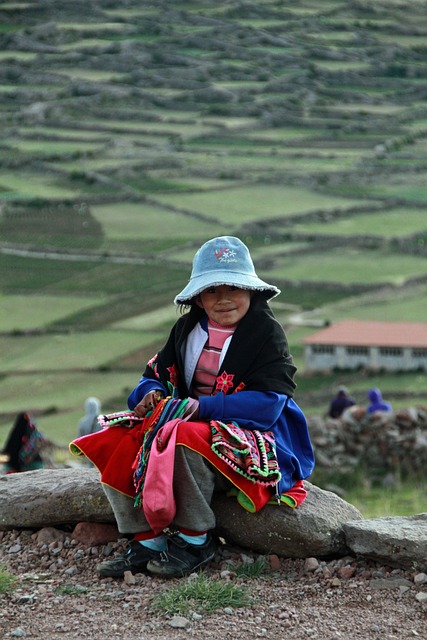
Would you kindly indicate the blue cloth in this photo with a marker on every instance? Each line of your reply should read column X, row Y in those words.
column 376, row 402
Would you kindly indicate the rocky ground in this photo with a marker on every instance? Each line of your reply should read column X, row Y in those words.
column 58, row 595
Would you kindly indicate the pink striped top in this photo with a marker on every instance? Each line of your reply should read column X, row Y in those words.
column 207, row 367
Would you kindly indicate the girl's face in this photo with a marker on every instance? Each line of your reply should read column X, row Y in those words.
column 225, row 304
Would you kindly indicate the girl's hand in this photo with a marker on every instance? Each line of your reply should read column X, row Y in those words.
column 148, row 402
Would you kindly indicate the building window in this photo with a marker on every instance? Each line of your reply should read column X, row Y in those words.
column 357, row 351
column 391, row 351
column 323, row 348
column 419, row 353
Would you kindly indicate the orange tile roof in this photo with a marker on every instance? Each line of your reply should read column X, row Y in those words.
column 372, row 334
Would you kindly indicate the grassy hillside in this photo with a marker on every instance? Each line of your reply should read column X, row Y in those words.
column 133, row 132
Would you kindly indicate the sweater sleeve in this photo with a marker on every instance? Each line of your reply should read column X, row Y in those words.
column 143, row 387
column 250, row 409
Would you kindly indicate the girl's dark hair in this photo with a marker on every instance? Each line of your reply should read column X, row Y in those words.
column 184, row 307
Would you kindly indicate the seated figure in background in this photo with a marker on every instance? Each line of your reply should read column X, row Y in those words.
column 376, row 402
column 340, row 402
column 23, row 446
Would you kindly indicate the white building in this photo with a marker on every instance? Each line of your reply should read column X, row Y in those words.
column 350, row 344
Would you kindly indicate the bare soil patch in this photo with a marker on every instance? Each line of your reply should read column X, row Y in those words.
column 59, row 595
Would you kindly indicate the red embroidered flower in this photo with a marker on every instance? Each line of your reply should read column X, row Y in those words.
column 153, row 365
column 224, row 382
column 173, row 375
column 239, row 387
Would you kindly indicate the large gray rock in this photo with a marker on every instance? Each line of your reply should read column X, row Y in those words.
column 52, row 497
column 314, row 529
column 400, row 541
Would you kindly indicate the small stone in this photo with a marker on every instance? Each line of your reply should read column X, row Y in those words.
column 347, row 572
column 95, row 533
column 227, row 574
column 196, row 616
column 311, row 564
column 179, row 622
column 403, row 590
column 275, row 563
column 246, row 559
column 421, row 596
column 129, row 578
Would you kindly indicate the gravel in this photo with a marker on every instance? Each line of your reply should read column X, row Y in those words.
column 58, row 595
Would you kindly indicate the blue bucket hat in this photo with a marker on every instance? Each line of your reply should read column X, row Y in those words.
column 223, row 260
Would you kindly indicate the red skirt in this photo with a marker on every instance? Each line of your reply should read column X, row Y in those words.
column 114, row 449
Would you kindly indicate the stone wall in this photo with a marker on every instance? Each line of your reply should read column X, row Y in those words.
column 385, row 444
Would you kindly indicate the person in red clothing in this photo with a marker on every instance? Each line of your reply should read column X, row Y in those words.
column 225, row 381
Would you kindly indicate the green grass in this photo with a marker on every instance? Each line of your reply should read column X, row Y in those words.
column 278, row 134
column 119, row 223
column 23, row 312
column 82, row 26
column 202, row 595
column 30, row 184
column 387, row 224
column 380, row 502
column 17, row 55
column 250, row 570
column 71, row 590
column 351, row 266
column 264, row 163
column 146, row 281
column 368, row 491
column 64, row 133
column 253, row 203
column 395, row 305
column 52, row 147
column 7, row 581
column 70, row 351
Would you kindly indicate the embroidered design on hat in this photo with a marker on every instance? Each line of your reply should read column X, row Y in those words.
column 223, row 254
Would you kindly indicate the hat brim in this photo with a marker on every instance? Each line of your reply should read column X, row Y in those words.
column 218, row 278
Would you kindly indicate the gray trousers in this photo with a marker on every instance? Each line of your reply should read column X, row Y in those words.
column 194, row 482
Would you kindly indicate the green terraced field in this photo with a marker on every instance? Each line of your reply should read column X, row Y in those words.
column 133, row 133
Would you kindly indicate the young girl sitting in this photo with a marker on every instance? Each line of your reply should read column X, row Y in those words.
column 222, row 385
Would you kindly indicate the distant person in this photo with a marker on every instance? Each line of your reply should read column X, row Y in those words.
column 22, row 449
column 89, row 424
column 340, row 402
column 376, row 402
